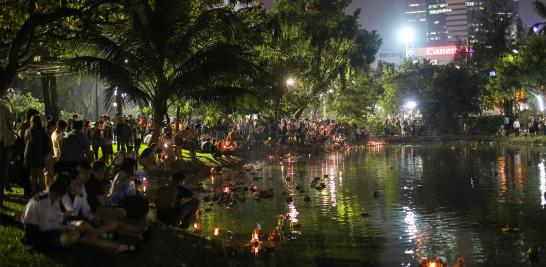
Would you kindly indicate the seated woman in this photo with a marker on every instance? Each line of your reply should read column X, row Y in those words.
column 123, row 183
column 149, row 163
column 123, row 192
column 95, row 188
column 176, row 205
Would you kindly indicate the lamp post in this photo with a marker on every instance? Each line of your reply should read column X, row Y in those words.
column 407, row 35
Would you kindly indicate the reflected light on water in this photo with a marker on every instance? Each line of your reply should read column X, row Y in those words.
column 542, row 171
column 292, row 213
column 411, row 227
column 333, row 191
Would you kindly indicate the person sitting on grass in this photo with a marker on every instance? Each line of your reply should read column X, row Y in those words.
column 76, row 202
column 96, row 193
column 149, row 163
column 43, row 220
column 123, row 192
column 176, row 205
column 46, row 227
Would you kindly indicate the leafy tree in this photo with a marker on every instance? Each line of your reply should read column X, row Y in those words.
column 318, row 45
column 455, row 93
column 168, row 48
column 357, row 100
column 28, row 28
column 445, row 94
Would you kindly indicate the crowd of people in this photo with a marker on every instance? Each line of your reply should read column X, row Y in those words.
column 77, row 196
column 402, row 127
column 522, row 126
column 231, row 136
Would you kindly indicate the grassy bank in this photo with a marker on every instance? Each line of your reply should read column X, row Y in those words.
column 168, row 246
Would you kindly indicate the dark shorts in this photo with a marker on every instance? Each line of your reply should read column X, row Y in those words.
column 45, row 241
column 107, row 149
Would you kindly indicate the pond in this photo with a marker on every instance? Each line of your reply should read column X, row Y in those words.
column 482, row 202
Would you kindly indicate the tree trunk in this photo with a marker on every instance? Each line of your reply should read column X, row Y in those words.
column 177, row 120
column 160, row 109
column 119, row 107
column 507, row 107
column 97, row 100
column 45, row 93
column 53, row 97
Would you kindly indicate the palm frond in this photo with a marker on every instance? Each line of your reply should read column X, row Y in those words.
column 540, row 7
column 204, row 67
column 112, row 73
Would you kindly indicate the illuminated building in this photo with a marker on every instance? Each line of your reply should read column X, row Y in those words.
column 449, row 22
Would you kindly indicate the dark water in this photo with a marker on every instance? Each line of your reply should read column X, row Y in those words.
column 444, row 201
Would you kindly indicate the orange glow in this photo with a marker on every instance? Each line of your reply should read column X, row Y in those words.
column 216, row 231
column 196, row 228
column 255, row 238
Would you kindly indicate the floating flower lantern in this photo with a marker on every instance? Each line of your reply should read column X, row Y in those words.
column 196, row 228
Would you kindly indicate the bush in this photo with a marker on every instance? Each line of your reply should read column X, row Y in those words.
column 373, row 125
column 483, row 125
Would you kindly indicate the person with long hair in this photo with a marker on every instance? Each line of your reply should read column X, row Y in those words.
column 37, row 146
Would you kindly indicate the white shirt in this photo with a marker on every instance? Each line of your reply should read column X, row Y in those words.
column 79, row 205
column 45, row 214
column 57, row 139
column 516, row 124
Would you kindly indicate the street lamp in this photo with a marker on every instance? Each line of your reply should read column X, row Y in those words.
column 407, row 35
column 411, row 105
column 290, row 82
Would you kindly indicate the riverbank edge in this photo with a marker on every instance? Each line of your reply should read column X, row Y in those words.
column 527, row 140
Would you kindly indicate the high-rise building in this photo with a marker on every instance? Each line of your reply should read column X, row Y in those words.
column 449, row 22
column 416, row 13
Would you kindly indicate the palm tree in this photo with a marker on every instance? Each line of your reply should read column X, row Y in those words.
column 168, row 48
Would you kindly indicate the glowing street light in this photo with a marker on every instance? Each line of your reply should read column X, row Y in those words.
column 411, row 105
column 540, row 102
column 407, row 35
column 290, row 82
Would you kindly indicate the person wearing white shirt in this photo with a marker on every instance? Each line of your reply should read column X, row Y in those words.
column 516, row 126
column 57, row 139
column 43, row 220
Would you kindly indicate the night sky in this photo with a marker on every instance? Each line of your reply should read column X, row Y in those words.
column 387, row 16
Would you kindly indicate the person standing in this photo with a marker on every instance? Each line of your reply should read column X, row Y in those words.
column 507, row 125
column 516, row 126
column 37, row 146
column 7, row 139
column 107, row 139
column 96, row 139
column 57, row 139
column 75, row 148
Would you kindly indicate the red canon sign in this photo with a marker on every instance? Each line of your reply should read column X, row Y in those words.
column 441, row 51
column 436, row 51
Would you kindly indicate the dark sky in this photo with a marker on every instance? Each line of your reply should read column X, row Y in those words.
column 387, row 16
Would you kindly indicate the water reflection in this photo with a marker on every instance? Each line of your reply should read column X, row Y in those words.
column 542, row 173
column 433, row 201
